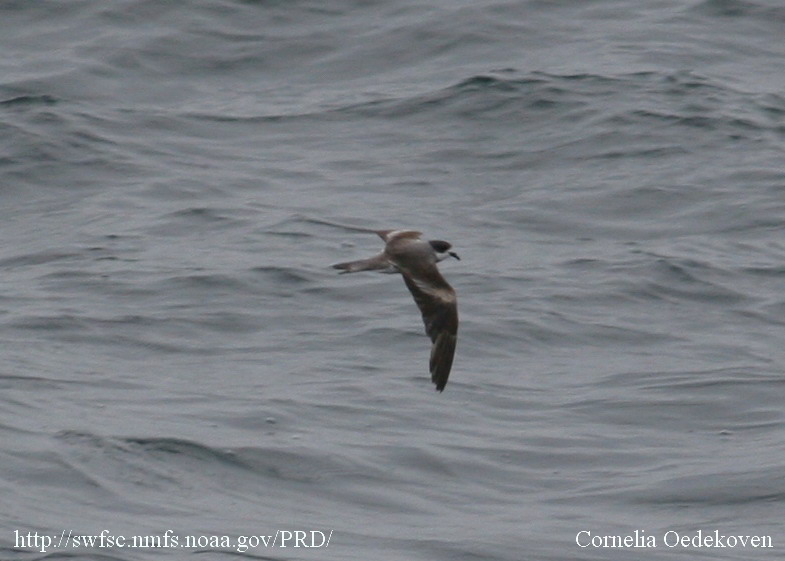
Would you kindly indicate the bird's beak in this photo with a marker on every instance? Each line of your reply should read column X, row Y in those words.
column 453, row 254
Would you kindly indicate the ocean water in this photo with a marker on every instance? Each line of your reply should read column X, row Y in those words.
column 180, row 362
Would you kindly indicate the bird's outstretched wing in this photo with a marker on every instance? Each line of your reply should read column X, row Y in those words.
column 439, row 307
column 378, row 262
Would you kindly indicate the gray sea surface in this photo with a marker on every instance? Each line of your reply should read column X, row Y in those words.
column 179, row 359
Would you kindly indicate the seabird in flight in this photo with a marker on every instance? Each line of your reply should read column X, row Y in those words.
column 407, row 253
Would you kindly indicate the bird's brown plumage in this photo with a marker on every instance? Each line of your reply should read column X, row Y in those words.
column 416, row 260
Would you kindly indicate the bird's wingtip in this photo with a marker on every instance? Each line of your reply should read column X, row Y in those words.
column 440, row 380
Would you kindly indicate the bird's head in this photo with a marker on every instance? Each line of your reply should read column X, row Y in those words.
column 442, row 249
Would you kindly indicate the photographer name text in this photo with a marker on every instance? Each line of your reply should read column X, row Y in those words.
column 672, row 539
